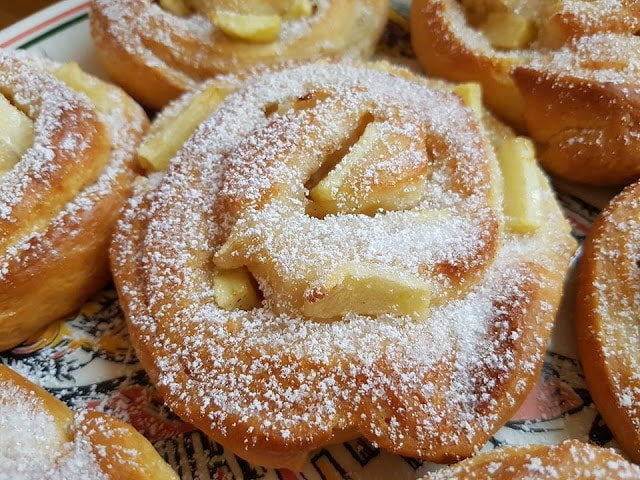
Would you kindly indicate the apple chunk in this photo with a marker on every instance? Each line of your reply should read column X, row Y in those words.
column 368, row 290
column 163, row 142
column 471, row 94
column 177, row 7
column 509, row 31
column 99, row 92
column 16, row 134
column 361, row 182
column 248, row 27
column 522, row 187
column 234, row 289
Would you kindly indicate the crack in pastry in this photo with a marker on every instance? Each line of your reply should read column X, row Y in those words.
column 451, row 307
column 606, row 317
column 564, row 72
column 40, row 437
column 72, row 167
column 158, row 51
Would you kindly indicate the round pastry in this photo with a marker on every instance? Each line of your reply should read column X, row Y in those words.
column 606, row 316
column 566, row 73
column 40, row 437
column 66, row 166
column 157, row 51
column 329, row 256
column 570, row 459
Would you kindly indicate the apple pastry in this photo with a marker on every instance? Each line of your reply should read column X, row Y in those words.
column 40, row 437
column 67, row 163
column 570, row 459
column 565, row 72
column 339, row 251
column 158, row 50
column 606, row 316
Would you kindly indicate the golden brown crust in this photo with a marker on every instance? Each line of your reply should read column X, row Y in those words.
column 606, row 317
column 589, row 136
column 271, row 383
column 572, row 19
column 55, row 442
column 155, row 55
column 435, row 31
column 60, row 202
column 573, row 88
column 570, row 459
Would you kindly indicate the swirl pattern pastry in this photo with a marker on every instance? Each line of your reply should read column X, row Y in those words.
column 606, row 317
column 328, row 257
column 570, row 459
column 69, row 167
column 156, row 54
column 40, row 437
column 565, row 72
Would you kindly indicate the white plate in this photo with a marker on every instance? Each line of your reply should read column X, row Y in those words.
column 87, row 361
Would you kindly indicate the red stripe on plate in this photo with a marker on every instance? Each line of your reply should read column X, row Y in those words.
column 41, row 26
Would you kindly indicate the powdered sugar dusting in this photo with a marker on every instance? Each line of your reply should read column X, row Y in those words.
column 34, row 446
column 613, row 289
column 46, row 99
column 188, row 49
column 411, row 386
column 572, row 62
column 600, row 59
column 46, row 105
column 570, row 459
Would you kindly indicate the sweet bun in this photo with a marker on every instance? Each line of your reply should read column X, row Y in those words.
column 157, row 51
column 40, row 437
column 606, row 317
column 333, row 253
column 565, row 73
column 67, row 167
column 570, row 459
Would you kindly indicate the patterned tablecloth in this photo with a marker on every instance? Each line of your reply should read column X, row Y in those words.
column 87, row 361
